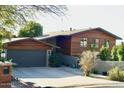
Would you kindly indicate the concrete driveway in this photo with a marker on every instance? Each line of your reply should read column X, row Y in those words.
column 58, row 77
column 45, row 72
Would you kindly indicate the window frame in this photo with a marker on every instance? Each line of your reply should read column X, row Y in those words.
column 6, row 71
column 83, row 42
column 97, row 43
column 109, row 43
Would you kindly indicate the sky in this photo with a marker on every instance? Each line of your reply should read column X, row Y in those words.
column 110, row 18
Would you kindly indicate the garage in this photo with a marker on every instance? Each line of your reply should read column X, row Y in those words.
column 29, row 52
column 28, row 58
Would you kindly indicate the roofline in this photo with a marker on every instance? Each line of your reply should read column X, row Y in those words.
column 99, row 28
column 117, row 37
column 34, row 40
column 47, row 37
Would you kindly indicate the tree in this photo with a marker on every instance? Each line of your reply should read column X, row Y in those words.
column 15, row 15
column 31, row 29
column 120, row 52
column 88, row 61
column 114, row 53
column 104, row 53
column 4, row 35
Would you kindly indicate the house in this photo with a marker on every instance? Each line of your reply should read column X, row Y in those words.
column 33, row 52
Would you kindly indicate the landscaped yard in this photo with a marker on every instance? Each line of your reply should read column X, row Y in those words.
column 60, row 77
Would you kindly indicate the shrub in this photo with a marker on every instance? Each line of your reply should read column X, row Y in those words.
column 55, row 60
column 87, row 61
column 104, row 53
column 120, row 52
column 116, row 74
column 6, row 59
column 121, row 75
column 94, row 71
column 114, row 53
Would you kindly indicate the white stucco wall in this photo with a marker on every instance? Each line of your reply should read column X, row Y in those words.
column 105, row 66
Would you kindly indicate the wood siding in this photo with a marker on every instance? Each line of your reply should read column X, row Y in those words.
column 27, row 44
column 76, row 50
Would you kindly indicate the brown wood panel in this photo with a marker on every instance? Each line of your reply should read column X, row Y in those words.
column 91, row 34
column 27, row 44
column 65, row 43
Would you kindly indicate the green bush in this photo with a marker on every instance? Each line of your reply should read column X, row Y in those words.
column 116, row 74
column 114, row 55
column 120, row 52
column 55, row 60
column 6, row 59
column 104, row 53
column 94, row 71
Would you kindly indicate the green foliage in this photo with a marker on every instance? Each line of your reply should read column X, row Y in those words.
column 116, row 74
column 17, row 15
column 106, row 43
column 5, row 59
column 92, row 47
column 7, row 18
column 104, row 53
column 31, row 29
column 114, row 55
column 4, row 34
column 94, row 71
column 120, row 52
column 55, row 60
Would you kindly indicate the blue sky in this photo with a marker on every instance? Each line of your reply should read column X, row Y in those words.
column 110, row 18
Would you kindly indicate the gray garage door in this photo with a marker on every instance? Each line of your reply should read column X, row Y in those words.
column 28, row 58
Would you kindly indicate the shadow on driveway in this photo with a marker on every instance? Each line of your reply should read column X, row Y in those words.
column 45, row 72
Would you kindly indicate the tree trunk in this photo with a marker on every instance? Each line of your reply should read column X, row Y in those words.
column 87, row 73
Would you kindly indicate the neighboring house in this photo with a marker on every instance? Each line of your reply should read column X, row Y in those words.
column 36, row 51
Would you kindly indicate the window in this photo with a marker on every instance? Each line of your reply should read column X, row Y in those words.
column 95, row 43
column 83, row 42
column 107, row 43
column 6, row 70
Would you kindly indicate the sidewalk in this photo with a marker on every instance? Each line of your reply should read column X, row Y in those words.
column 76, row 81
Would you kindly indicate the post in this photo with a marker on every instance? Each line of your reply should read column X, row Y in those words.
column 5, row 75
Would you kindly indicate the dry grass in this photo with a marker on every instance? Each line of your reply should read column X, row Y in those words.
column 88, row 61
